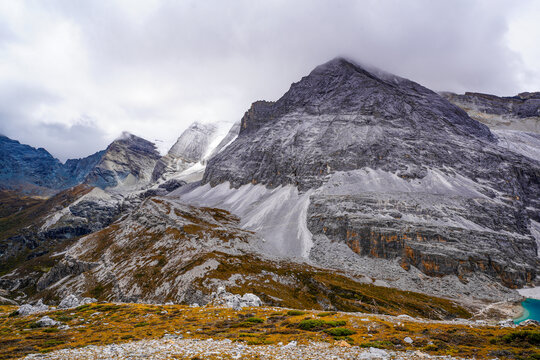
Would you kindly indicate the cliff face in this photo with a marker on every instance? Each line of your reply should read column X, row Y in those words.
column 520, row 112
column 394, row 171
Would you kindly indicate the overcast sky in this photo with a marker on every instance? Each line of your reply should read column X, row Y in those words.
column 75, row 74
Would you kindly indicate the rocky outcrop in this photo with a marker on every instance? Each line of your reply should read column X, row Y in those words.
column 191, row 147
column 72, row 301
column 68, row 266
column 237, row 302
column 28, row 309
column 128, row 161
column 520, row 112
column 394, row 171
column 154, row 254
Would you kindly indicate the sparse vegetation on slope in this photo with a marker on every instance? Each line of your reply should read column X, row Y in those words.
column 101, row 324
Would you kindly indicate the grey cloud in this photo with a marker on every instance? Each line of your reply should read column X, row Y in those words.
column 208, row 60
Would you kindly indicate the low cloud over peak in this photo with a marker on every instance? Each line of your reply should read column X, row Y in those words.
column 75, row 75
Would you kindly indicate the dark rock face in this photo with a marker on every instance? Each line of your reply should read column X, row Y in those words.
column 396, row 171
column 32, row 233
column 27, row 167
column 74, row 171
column 128, row 156
column 520, row 112
column 67, row 266
column 32, row 170
column 172, row 185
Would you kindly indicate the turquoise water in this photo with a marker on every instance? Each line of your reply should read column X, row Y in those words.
column 531, row 310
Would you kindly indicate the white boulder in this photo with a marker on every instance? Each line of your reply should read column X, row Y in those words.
column 28, row 309
column 47, row 321
column 72, row 301
column 235, row 301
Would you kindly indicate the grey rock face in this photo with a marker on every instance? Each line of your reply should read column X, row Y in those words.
column 190, row 148
column 397, row 172
column 520, row 112
column 25, row 166
column 127, row 161
column 66, row 267
column 341, row 118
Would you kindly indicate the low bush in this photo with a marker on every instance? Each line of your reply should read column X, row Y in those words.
column 327, row 313
column 254, row 320
column 295, row 312
column 339, row 331
column 318, row 324
column 530, row 336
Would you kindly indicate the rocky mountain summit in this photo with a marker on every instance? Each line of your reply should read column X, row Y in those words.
column 394, row 171
column 127, row 161
column 36, row 171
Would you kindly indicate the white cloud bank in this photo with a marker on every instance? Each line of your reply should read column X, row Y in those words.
column 74, row 74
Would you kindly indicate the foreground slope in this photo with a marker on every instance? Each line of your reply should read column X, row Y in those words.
column 392, row 170
column 113, row 331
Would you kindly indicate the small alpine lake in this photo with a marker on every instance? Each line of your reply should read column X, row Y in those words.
column 531, row 310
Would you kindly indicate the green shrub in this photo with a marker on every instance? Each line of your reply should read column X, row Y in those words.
column 64, row 318
column 378, row 344
column 51, row 330
column 530, row 336
column 52, row 342
column 254, row 320
column 327, row 313
column 431, row 347
column 14, row 313
column 295, row 312
column 318, row 324
column 339, row 331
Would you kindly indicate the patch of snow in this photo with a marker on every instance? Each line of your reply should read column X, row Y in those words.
column 278, row 215
column 533, row 293
column 377, row 180
column 524, row 143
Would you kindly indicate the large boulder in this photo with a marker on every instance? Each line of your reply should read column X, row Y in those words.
column 28, row 309
column 224, row 298
column 72, row 301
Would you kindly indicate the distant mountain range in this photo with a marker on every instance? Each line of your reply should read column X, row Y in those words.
column 355, row 171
